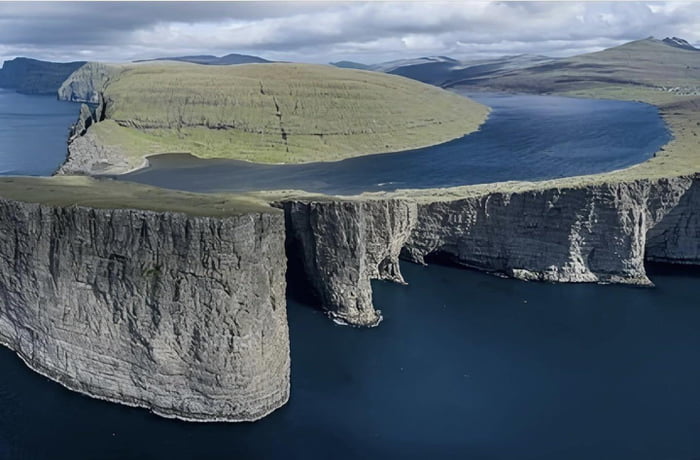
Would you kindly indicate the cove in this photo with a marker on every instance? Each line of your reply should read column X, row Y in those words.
column 526, row 137
column 33, row 133
column 465, row 365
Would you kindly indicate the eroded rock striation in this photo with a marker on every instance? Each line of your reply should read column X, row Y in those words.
column 87, row 82
column 594, row 233
column 344, row 244
column 182, row 315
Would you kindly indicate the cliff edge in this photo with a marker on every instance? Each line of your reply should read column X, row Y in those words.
column 183, row 314
column 591, row 233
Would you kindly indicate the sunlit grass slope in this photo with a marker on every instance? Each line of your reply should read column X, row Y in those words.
column 277, row 113
column 108, row 194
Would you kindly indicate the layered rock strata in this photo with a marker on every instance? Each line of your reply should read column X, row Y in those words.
column 182, row 315
column 344, row 244
column 594, row 233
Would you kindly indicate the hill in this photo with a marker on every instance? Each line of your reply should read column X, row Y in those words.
column 351, row 65
column 274, row 113
column 31, row 76
column 229, row 59
column 645, row 63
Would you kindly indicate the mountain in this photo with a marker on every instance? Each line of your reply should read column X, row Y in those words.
column 31, row 76
column 446, row 71
column 229, row 59
column 648, row 63
column 679, row 43
column 351, row 65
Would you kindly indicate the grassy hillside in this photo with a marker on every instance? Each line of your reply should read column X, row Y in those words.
column 276, row 113
column 108, row 194
column 646, row 63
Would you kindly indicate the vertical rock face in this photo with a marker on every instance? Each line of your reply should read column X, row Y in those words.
column 343, row 245
column 588, row 234
column 676, row 236
column 86, row 83
column 183, row 315
column 31, row 76
column 596, row 233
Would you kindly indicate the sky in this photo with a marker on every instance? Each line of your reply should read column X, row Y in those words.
column 321, row 32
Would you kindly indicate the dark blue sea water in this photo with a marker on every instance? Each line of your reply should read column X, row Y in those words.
column 465, row 365
column 33, row 133
column 525, row 138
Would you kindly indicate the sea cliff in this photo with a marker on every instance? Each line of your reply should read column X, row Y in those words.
column 31, row 76
column 183, row 315
column 593, row 233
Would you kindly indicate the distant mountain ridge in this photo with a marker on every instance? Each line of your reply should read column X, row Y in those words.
column 446, row 71
column 679, row 43
column 351, row 65
column 229, row 59
column 32, row 76
column 649, row 62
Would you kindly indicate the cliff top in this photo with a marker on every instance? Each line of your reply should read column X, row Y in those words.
column 276, row 113
column 110, row 194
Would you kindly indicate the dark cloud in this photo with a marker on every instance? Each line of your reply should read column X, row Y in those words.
column 322, row 31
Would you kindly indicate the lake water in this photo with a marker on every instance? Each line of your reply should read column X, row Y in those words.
column 465, row 365
column 525, row 138
column 33, row 133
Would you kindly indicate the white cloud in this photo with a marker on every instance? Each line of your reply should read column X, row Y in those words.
column 320, row 32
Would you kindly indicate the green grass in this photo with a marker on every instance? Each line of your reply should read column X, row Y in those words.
column 109, row 194
column 277, row 113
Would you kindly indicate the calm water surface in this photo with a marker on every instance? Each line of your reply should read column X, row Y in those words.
column 33, row 133
column 465, row 365
column 525, row 138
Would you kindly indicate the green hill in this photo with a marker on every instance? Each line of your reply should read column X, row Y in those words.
column 275, row 113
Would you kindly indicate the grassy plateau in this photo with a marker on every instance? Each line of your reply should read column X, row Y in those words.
column 108, row 194
column 276, row 113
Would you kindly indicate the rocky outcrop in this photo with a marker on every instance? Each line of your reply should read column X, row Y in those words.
column 87, row 83
column 182, row 315
column 344, row 244
column 88, row 155
column 595, row 233
column 80, row 127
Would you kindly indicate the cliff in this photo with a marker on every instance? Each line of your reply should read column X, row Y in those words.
column 87, row 82
column 184, row 315
column 343, row 244
column 31, row 76
column 593, row 233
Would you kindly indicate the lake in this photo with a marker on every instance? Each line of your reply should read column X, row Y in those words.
column 525, row 138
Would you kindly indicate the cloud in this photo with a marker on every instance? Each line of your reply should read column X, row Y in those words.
column 324, row 31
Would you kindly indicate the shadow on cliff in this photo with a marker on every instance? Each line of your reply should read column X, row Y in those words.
column 669, row 269
column 299, row 288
